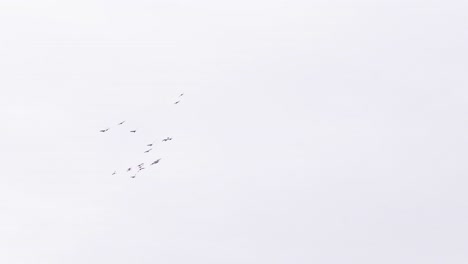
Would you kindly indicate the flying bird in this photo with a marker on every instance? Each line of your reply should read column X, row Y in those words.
column 140, row 167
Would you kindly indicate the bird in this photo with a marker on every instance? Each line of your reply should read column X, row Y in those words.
column 181, row 95
column 139, row 169
column 129, row 169
column 121, row 123
column 149, row 145
column 167, row 139
column 133, row 176
column 133, row 131
column 104, row 130
column 114, row 173
column 177, row 102
column 155, row 162
column 148, row 150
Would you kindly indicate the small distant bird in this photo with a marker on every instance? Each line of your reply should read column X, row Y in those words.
column 114, row 173
column 141, row 165
column 181, row 95
column 121, row 123
column 133, row 131
column 177, row 102
column 148, row 150
column 149, row 145
column 104, row 130
column 167, row 139
column 129, row 169
column 141, row 168
column 155, row 162
column 133, row 176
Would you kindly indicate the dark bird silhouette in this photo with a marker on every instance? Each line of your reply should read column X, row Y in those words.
column 167, row 139
column 129, row 169
column 148, row 150
column 177, row 102
column 133, row 176
column 181, row 95
column 104, row 130
column 133, row 131
column 140, row 165
column 121, row 123
column 155, row 162
column 114, row 173
column 149, row 145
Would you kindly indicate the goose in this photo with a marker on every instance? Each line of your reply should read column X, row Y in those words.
column 148, row 150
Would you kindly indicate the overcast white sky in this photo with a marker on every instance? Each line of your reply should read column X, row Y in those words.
column 315, row 131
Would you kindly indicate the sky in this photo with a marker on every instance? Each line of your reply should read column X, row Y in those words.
column 314, row 131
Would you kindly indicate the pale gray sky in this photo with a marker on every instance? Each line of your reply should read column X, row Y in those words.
column 315, row 131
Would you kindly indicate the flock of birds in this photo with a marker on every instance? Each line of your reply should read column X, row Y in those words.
column 138, row 168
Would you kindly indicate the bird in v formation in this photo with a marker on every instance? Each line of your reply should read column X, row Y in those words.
column 140, row 166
